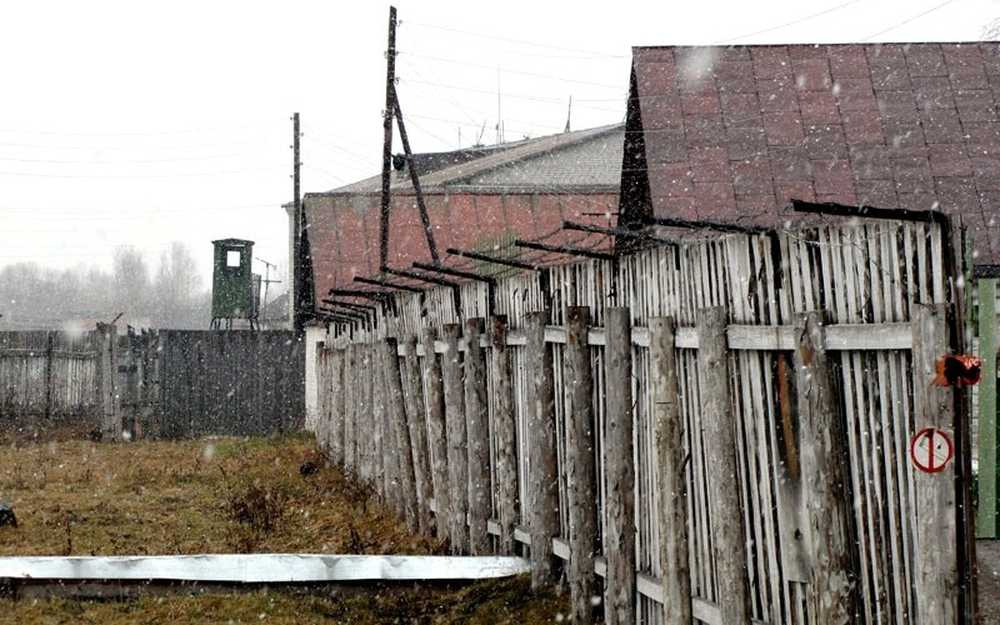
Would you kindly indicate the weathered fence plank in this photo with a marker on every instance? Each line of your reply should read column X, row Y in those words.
column 728, row 534
column 832, row 593
column 619, row 544
column 543, row 481
column 416, row 418
column 673, row 518
column 580, row 473
column 436, row 432
column 504, row 430
column 936, row 566
column 394, row 394
column 458, row 460
column 478, row 435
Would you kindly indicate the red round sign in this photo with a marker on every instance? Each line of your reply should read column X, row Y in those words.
column 931, row 450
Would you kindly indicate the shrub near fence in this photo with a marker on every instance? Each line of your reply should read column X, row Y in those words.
column 718, row 428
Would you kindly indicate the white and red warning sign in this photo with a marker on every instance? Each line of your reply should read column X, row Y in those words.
column 931, row 450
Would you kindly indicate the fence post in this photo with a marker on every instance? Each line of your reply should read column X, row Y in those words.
column 543, row 478
column 418, row 433
column 578, row 388
column 108, row 367
column 619, row 547
column 436, row 431
column 387, row 437
column 719, row 433
column 936, row 542
column 673, row 520
column 832, row 592
column 458, row 464
column 477, row 420
column 505, row 433
column 321, row 397
column 397, row 414
column 351, row 407
column 337, row 397
column 49, row 377
column 986, row 515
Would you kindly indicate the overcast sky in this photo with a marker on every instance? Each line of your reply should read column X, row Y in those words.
column 129, row 123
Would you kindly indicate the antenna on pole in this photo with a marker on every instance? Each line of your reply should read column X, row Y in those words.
column 569, row 114
column 499, row 114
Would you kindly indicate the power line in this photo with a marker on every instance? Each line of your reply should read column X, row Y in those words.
column 24, row 174
column 115, row 162
column 791, row 23
column 908, row 20
column 524, row 42
column 149, row 133
column 508, row 70
column 545, row 100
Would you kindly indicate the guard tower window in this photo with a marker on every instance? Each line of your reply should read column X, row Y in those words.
column 233, row 259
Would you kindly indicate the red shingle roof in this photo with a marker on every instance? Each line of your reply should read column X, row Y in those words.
column 735, row 133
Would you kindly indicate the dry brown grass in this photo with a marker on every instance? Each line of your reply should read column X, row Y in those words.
column 208, row 496
column 502, row 602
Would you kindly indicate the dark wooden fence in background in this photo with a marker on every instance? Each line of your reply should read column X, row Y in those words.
column 234, row 383
column 164, row 383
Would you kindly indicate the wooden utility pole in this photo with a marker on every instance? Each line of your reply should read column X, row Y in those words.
column 387, row 115
column 297, row 281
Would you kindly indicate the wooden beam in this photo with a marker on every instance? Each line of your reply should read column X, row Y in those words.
column 673, row 518
column 437, row 443
column 543, row 478
column 728, row 535
column 458, row 462
column 397, row 413
column 417, row 421
column 581, row 475
column 478, row 436
column 468, row 275
column 388, row 285
column 936, row 572
column 619, row 541
column 505, row 430
column 833, row 591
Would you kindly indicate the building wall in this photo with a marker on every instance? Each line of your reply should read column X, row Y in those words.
column 314, row 334
column 344, row 229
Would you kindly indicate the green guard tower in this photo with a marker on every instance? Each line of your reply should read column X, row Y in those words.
column 235, row 287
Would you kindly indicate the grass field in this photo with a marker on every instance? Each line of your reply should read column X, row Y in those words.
column 76, row 497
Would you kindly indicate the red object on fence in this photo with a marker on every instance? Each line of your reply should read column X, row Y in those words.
column 959, row 370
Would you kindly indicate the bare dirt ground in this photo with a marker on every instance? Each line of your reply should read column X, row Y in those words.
column 988, row 553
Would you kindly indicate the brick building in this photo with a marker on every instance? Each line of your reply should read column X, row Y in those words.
column 477, row 199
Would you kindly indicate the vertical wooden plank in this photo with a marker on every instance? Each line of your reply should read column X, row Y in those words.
column 478, row 435
column 986, row 521
column 543, row 481
column 416, row 419
column 458, row 462
column 505, row 431
column 673, row 518
column 936, row 540
column 436, row 432
column 619, row 547
column 351, row 408
column 833, row 591
column 581, row 472
column 394, row 402
column 729, row 536
column 49, row 378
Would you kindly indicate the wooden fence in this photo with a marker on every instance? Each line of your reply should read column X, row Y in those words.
column 714, row 431
column 164, row 383
column 51, row 377
column 234, row 383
